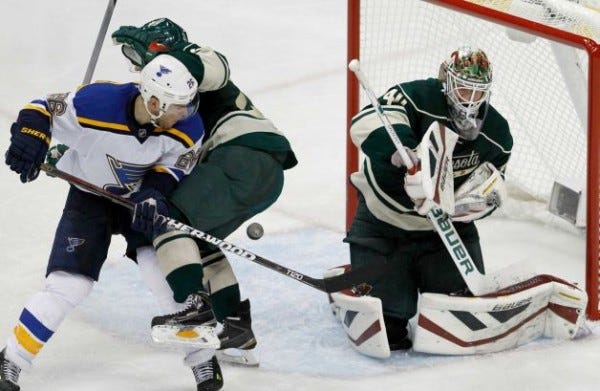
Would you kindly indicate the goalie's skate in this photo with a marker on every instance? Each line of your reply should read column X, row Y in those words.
column 9, row 374
column 237, row 338
column 193, row 326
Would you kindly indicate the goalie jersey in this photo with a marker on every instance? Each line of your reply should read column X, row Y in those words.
column 411, row 108
column 107, row 147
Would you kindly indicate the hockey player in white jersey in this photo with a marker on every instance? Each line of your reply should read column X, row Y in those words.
column 137, row 141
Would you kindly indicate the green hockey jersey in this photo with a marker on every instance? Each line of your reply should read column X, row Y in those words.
column 411, row 107
column 228, row 114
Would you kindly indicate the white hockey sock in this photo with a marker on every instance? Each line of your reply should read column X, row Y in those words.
column 42, row 315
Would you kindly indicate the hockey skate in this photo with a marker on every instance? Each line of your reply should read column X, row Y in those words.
column 208, row 375
column 9, row 374
column 193, row 326
column 237, row 338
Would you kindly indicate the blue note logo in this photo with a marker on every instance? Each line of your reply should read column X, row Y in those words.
column 163, row 71
column 74, row 242
column 127, row 176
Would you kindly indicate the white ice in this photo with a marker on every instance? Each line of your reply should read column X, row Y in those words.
column 290, row 58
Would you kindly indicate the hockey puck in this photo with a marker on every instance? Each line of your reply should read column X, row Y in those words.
column 255, row 231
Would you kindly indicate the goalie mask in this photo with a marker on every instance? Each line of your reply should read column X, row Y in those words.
column 169, row 81
column 467, row 77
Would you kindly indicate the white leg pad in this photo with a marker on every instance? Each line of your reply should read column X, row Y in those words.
column 362, row 320
column 541, row 306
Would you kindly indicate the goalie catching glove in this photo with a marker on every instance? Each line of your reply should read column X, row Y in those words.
column 481, row 194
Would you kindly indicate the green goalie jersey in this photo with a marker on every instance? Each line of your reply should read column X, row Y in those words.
column 411, row 107
column 228, row 114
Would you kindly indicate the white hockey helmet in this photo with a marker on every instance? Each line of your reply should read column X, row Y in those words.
column 468, row 78
column 167, row 79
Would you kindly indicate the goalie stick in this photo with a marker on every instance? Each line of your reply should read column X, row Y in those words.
column 98, row 46
column 327, row 285
column 475, row 281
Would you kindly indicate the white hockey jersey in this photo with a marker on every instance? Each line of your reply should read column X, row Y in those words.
column 106, row 145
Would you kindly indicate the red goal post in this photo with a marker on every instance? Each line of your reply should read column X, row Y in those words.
column 547, row 84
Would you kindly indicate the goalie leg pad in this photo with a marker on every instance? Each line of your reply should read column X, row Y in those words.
column 541, row 306
column 362, row 319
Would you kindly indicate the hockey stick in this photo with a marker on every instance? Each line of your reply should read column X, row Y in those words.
column 475, row 281
column 327, row 285
column 98, row 46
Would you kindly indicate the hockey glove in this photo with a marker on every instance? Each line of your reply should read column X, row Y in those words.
column 480, row 195
column 55, row 153
column 149, row 212
column 414, row 187
column 142, row 44
column 413, row 183
column 29, row 142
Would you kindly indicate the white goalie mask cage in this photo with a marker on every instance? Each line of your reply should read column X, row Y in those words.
column 468, row 77
column 167, row 79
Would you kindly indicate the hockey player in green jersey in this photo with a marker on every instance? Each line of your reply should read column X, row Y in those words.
column 239, row 174
column 390, row 224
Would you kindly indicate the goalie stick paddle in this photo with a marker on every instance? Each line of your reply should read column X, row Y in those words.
column 476, row 282
column 327, row 285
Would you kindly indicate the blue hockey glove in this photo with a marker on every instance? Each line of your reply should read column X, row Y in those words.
column 149, row 212
column 29, row 142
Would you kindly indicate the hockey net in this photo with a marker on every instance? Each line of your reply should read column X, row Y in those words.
column 546, row 83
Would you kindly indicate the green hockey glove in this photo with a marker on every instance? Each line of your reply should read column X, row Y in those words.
column 142, row 44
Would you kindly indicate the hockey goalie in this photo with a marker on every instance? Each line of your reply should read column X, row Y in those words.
column 460, row 323
column 423, row 280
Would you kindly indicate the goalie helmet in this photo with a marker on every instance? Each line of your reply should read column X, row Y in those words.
column 467, row 77
column 169, row 81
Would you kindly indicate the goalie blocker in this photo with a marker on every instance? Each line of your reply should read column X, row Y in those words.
column 542, row 306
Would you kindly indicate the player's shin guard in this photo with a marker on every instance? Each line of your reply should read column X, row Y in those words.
column 42, row 315
column 179, row 260
column 221, row 282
